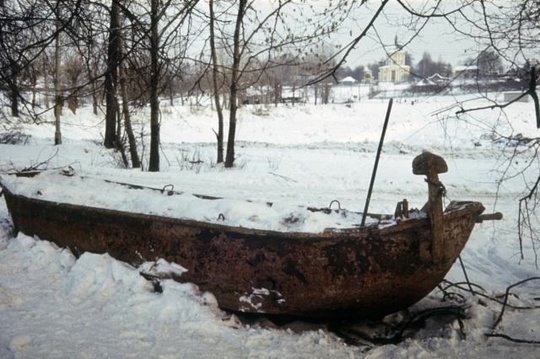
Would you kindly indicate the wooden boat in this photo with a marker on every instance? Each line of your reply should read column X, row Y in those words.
column 365, row 271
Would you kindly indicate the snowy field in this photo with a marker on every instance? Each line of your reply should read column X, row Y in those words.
column 53, row 305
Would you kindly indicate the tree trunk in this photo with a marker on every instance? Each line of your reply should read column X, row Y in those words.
column 34, row 87
column 94, row 98
column 14, row 89
column 11, row 75
column 58, row 96
column 326, row 94
column 111, row 78
column 235, row 75
column 153, row 165
column 277, row 92
column 135, row 161
column 215, row 73
column 45, row 80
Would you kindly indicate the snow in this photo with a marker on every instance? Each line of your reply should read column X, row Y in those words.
column 53, row 305
column 225, row 211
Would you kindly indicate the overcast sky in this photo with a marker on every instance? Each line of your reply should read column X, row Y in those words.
column 437, row 37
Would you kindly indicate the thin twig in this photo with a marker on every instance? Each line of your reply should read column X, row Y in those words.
column 530, row 91
column 499, row 318
column 42, row 163
column 284, row 177
column 515, row 340
column 485, row 296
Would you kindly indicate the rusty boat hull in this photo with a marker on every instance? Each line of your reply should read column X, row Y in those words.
column 364, row 272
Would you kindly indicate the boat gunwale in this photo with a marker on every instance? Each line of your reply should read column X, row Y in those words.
column 458, row 208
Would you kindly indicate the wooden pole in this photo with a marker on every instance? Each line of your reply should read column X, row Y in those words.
column 376, row 165
column 431, row 165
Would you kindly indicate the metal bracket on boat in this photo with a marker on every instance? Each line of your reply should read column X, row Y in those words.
column 68, row 171
column 402, row 209
column 169, row 189
column 154, row 279
column 440, row 185
column 326, row 210
column 335, row 201
column 221, row 217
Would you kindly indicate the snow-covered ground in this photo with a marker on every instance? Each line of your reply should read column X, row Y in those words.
column 53, row 305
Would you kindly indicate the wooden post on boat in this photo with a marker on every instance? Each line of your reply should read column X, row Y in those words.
column 376, row 164
column 431, row 165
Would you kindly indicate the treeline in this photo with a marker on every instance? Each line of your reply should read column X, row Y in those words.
column 124, row 54
column 487, row 64
column 484, row 73
column 120, row 55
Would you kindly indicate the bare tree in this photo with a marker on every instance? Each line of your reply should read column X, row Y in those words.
column 111, row 77
column 235, row 75
column 512, row 33
column 24, row 30
column 253, row 34
column 135, row 160
column 30, row 28
column 489, row 64
column 427, row 67
column 215, row 82
column 154, row 32
column 58, row 95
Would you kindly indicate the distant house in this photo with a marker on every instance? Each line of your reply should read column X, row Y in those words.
column 395, row 70
column 438, row 79
column 426, row 86
column 466, row 73
column 257, row 95
column 425, row 82
column 349, row 80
